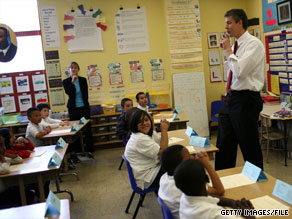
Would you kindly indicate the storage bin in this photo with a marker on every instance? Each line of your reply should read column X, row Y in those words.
column 112, row 128
column 101, row 120
column 10, row 119
column 113, row 119
column 102, row 129
column 103, row 138
column 109, row 108
column 113, row 137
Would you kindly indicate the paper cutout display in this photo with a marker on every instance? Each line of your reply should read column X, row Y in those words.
column 191, row 132
column 8, row 103
column 283, row 191
column 82, row 121
column 94, row 76
column 22, row 84
column 6, row 86
column 253, row 172
column 60, row 144
column 81, row 8
column 53, row 206
column 199, row 141
column 95, row 14
column 55, row 160
column 74, row 128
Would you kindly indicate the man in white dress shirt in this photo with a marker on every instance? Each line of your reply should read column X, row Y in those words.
column 240, row 112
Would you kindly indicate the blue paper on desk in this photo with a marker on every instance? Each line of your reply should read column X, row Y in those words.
column 53, row 205
column 55, row 160
column 82, row 121
column 60, row 143
column 253, row 172
column 177, row 110
column 199, row 141
column 191, row 132
column 74, row 128
column 283, row 191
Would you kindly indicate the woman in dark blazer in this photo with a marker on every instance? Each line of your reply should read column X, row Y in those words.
column 77, row 90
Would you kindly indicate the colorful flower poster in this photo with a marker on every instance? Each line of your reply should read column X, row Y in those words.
column 115, row 73
column 157, row 70
column 94, row 76
column 137, row 74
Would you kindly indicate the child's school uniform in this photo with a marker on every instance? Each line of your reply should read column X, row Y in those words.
column 21, row 150
column 146, row 109
column 122, row 127
column 201, row 207
column 142, row 153
column 32, row 130
column 170, row 194
column 53, row 123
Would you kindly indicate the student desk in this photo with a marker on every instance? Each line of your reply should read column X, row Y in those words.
column 69, row 137
column 181, row 134
column 253, row 190
column 35, row 211
column 268, row 110
column 174, row 125
column 35, row 169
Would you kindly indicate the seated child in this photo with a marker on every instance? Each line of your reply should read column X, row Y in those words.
column 142, row 101
column 46, row 120
column 191, row 179
column 35, row 130
column 10, row 196
column 170, row 159
column 19, row 146
column 122, row 127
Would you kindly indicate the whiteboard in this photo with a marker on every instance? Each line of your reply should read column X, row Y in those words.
column 190, row 96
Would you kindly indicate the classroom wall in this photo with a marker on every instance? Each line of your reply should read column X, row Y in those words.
column 212, row 20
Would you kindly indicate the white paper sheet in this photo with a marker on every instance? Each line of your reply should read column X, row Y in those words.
column 37, row 154
column 24, row 166
column 22, row 84
column 8, row 103
column 40, row 98
column 6, row 86
column 60, row 131
column 24, row 102
column 236, row 180
column 174, row 140
column 39, row 82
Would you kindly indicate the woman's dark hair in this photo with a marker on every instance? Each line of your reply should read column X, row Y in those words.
column 5, row 133
column 170, row 158
column 138, row 117
column 73, row 63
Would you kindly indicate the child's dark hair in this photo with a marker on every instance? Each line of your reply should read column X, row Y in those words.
column 190, row 178
column 30, row 111
column 41, row 106
column 170, row 158
column 138, row 117
column 138, row 94
column 5, row 134
column 124, row 100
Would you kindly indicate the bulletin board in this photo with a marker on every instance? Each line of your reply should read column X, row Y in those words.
column 190, row 96
column 279, row 60
column 20, row 91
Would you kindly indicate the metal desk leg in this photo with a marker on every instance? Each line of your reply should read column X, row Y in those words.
column 41, row 187
column 22, row 190
column 83, row 153
column 58, row 187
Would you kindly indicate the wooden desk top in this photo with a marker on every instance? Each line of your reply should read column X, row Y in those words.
column 35, row 211
column 169, row 114
column 270, row 108
column 180, row 133
column 253, row 190
column 69, row 126
column 36, row 164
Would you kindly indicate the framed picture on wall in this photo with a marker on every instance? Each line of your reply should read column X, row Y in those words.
column 214, row 57
column 213, row 40
column 215, row 74
column 284, row 12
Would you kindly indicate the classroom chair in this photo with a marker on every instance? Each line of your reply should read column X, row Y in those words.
column 122, row 161
column 165, row 210
column 215, row 109
column 136, row 189
column 269, row 134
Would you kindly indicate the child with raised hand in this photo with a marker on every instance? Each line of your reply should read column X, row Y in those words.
column 46, row 120
column 170, row 159
column 191, row 179
column 17, row 147
column 35, row 130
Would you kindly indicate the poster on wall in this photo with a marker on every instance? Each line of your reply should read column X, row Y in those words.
column 136, row 72
column 215, row 74
column 8, row 103
column 157, row 70
column 22, row 84
column 57, row 97
column 94, row 76
column 6, row 86
column 39, row 82
column 41, row 98
column 53, row 69
column 117, row 93
column 24, row 102
column 115, row 73
column 131, row 30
